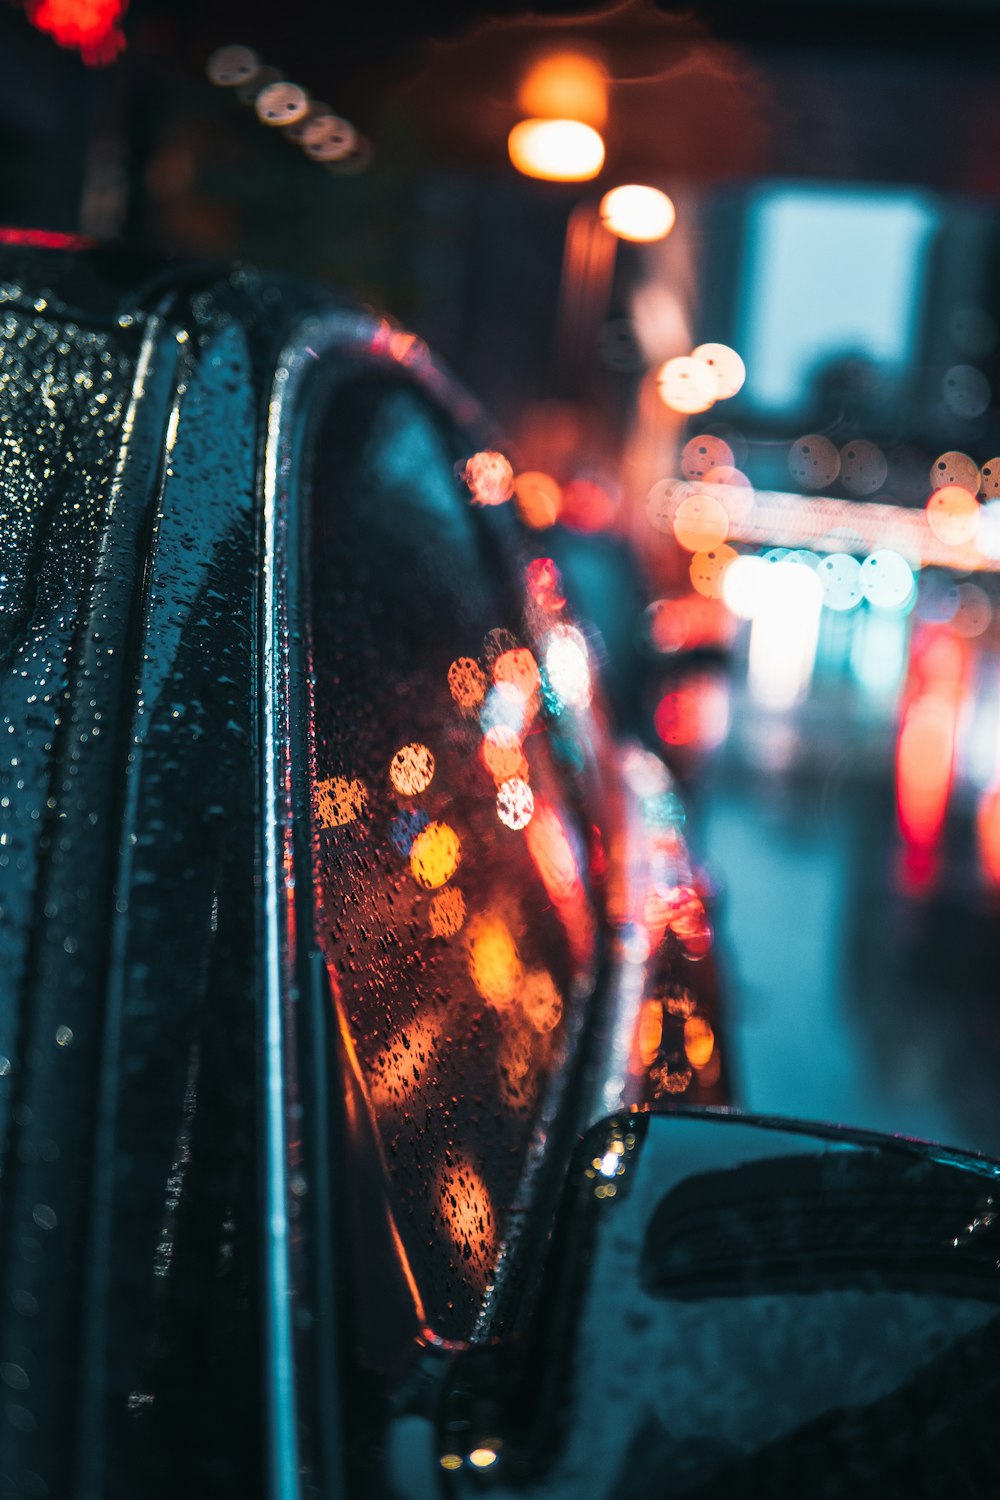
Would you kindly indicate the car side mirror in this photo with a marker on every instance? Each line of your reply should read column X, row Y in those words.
column 740, row 1306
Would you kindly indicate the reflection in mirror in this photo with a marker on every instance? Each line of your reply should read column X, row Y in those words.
column 451, row 869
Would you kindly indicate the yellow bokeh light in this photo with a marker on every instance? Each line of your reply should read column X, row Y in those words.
column 699, row 1041
column 411, row 770
column 339, row 801
column 494, row 962
column 686, row 385
column 483, row 1458
column 633, row 212
column 565, row 86
column 466, row 682
column 435, row 855
column 541, row 1001
column 556, row 150
column 447, row 912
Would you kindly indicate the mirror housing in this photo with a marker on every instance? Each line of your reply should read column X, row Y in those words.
column 740, row 1306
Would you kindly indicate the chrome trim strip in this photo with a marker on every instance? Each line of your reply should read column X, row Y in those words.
column 283, row 1457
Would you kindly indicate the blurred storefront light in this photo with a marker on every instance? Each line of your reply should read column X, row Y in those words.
column 830, row 271
column 556, row 150
column 638, row 213
column 784, row 635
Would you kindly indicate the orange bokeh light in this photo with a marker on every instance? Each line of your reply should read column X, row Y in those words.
column 406, row 1065
column 953, row 515
column 565, row 85
column 466, row 1211
column 683, row 624
column 447, row 912
column 552, row 855
column 541, row 1001
column 708, row 570
column 538, row 498
column 700, row 523
column 649, row 1033
column 699, row 1041
column 339, row 801
column 988, row 834
column 466, row 682
column 519, row 668
column 494, row 962
column 689, row 922
column 502, row 754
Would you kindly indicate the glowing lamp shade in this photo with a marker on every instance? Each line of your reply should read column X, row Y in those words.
column 556, row 150
column 637, row 213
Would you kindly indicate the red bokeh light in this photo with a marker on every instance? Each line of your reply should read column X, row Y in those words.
column 544, row 585
column 45, row 239
column 92, row 27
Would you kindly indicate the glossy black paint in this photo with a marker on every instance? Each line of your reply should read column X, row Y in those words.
column 130, row 814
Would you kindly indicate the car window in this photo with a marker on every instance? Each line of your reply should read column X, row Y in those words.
column 450, row 868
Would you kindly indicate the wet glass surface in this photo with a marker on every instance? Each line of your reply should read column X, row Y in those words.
column 450, row 868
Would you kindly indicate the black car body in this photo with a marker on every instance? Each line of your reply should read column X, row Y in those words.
column 316, row 1183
